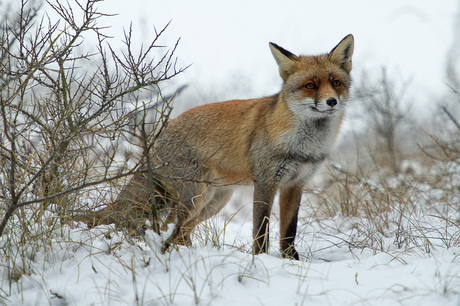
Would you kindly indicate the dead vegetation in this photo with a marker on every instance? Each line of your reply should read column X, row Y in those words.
column 72, row 133
column 69, row 106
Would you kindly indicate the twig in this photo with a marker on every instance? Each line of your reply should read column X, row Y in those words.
column 451, row 117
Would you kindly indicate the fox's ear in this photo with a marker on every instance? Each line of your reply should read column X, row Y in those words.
column 284, row 59
column 341, row 54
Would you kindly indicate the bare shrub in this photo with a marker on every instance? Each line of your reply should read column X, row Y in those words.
column 385, row 110
column 64, row 112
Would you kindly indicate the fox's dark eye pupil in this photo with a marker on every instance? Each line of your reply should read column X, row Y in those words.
column 336, row 83
column 310, row 86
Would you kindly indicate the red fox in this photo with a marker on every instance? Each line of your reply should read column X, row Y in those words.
column 274, row 143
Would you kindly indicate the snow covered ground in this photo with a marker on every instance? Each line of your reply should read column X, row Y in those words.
column 344, row 261
column 408, row 255
column 82, row 267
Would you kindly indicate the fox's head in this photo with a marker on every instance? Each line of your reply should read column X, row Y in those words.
column 316, row 85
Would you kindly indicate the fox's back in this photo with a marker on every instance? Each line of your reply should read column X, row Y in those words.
column 218, row 136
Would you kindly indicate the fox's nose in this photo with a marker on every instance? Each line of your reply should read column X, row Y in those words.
column 331, row 102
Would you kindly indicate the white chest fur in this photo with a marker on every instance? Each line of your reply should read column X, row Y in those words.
column 306, row 147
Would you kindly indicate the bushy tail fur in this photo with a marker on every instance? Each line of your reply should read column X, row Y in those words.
column 132, row 208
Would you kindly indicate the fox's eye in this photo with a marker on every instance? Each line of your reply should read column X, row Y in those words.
column 310, row 86
column 336, row 83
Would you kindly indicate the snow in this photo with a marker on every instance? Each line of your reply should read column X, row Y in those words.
column 227, row 42
column 98, row 269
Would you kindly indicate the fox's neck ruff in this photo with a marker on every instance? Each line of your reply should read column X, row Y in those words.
column 305, row 149
column 313, row 136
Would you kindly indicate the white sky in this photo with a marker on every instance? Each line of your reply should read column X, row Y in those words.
column 227, row 41
column 224, row 38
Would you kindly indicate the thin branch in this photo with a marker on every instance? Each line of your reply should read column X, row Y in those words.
column 451, row 117
column 77, row 188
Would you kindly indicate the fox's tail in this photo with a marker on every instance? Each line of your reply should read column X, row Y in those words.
column 132, row 208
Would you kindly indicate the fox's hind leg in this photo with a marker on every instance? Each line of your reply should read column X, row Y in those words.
column 206, row 205
column 186, row 208
column 178, row 236
column 215, row 201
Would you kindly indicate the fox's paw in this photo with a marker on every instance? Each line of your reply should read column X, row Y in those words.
column 185, row 241
column 291, row 253
column 165, row 246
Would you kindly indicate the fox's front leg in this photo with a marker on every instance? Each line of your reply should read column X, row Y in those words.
column 289, row 209
column 263, row 201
